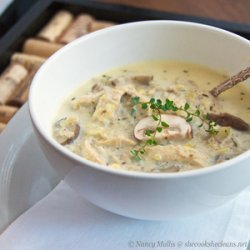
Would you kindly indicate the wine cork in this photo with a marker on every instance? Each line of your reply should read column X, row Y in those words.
column 2, row 126
column 98, row 25
column 80, row 27
column 6, row 113
column 20, row 96
column 28, row 61
column 40, row 48
column 10, row 80
column 56, row 26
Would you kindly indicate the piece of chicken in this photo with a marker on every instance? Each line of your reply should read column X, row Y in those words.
column 177, row 153
column 177, row 128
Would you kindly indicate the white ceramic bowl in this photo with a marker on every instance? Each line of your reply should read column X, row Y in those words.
column 139, row 195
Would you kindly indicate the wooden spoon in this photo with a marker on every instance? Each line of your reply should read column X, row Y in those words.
column 231, row 82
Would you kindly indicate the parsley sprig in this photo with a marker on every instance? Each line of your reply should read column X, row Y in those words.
column 157, row 106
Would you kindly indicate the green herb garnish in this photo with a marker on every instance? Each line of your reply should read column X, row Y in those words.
column 157, row 106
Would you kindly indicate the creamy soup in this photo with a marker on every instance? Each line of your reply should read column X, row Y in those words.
column 155, row 117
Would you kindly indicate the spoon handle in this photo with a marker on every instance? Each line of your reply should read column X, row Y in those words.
column 232, row 81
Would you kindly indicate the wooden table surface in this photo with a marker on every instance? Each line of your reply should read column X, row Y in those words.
column 227, row 10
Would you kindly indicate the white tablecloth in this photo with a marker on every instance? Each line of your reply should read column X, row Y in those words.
column 63, row 220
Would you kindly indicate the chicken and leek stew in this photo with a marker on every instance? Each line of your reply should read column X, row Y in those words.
column 155, row 117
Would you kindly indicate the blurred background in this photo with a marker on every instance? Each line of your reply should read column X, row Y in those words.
column 225, row 10
column 228, row 10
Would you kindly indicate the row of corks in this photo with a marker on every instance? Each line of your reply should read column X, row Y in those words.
column 15, row 81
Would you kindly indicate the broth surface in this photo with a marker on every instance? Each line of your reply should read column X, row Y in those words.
column 95, row 121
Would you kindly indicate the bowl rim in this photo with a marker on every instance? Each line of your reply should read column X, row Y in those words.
column 122, row 172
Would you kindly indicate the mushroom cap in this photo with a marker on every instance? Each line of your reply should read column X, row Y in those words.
column 178, row 128
column 66, row 130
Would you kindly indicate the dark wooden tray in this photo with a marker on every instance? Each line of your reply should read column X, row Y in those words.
column 27, row 17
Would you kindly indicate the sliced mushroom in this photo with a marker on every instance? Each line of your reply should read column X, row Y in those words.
column 143, row 79
column 66, row 130
column 225, row 119
column 178, row 128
